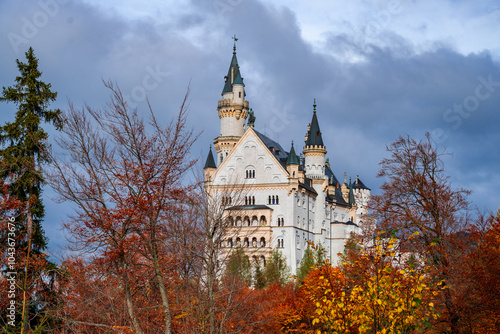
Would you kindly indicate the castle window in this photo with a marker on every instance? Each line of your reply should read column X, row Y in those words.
column 281, row 222
column 262, row 221
column 269, row 200
column 250, row 173
column 230, row 243
column 281, row 243
column 238, row 242
column 254, row 242
column 277, row 200
column 246, row 243
column 239, row 94
column 262, row 242
column 263, row 260
column 273, row 200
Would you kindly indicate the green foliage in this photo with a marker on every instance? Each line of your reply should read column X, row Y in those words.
column 24, row 143
column 23, row 151
column 276, row 270
column 306, row 264
column 238, row 265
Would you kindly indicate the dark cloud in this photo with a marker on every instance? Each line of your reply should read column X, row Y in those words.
column 367, row 94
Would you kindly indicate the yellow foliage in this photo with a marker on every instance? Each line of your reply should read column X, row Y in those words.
column 384, row 297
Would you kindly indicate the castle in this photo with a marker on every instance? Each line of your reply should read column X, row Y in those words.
column 288, row 199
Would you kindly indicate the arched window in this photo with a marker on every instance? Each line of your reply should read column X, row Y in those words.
column 273, row 199
column 277, row 200
column 263, row 261
column 262, row 242
column 281, row 243
column 246, row 243
column 253, row 200
column 254, row 242
column 269, row 200
column 230, row 243
column 238, row 242
column 263, row 221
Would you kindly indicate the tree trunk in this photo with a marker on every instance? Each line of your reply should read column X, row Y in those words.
column 128, row 299
column 163, row 292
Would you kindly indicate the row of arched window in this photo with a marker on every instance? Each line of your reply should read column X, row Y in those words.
column 273, row 200
column 246, row 242
column 246, row 221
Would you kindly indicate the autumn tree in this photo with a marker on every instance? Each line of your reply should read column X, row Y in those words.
column 23, row 153
column 480, row 271
column 417, row 196
column 375, row 291
column 124, row 177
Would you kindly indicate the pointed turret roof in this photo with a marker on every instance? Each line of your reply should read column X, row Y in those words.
column 314, row 134
column 358, row 184
column 351, row 194
column 292, row 157
column 233, row 74
column 210, row 160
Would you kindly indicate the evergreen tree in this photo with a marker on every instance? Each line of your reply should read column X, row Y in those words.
column 238, row 265
column 276, row 270
column 314, row 257
column 23, row 151
column 306, row 264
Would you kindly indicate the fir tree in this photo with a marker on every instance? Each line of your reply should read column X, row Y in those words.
column 306, row 264
column 276, row 270
column 23, row 151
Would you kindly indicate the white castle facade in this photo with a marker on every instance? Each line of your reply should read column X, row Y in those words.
column 288, row 200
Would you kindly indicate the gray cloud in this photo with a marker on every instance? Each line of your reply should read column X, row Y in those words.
column 368, row 94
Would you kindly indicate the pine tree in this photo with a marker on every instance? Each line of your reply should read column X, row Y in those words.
column 306, row 264
column 23, row 151
column 276, row 270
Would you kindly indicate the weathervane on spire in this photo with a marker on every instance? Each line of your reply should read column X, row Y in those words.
column 314, row 105
column 235, row 40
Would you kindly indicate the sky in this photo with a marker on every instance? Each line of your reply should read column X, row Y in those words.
column 377, row 69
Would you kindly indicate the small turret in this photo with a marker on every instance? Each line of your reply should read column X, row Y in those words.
column 210, row 166
column 292, row 163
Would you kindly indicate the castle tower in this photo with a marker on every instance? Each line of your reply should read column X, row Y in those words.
column 233, row 110
column 314, row 165
column 314, row 150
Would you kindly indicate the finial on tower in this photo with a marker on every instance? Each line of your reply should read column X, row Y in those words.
column 314, row 105
column 235, row 40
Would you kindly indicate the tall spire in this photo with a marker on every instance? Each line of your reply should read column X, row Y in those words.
column 314, row 135
column 210, row 160
column 233, row 74
column 292, row 157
